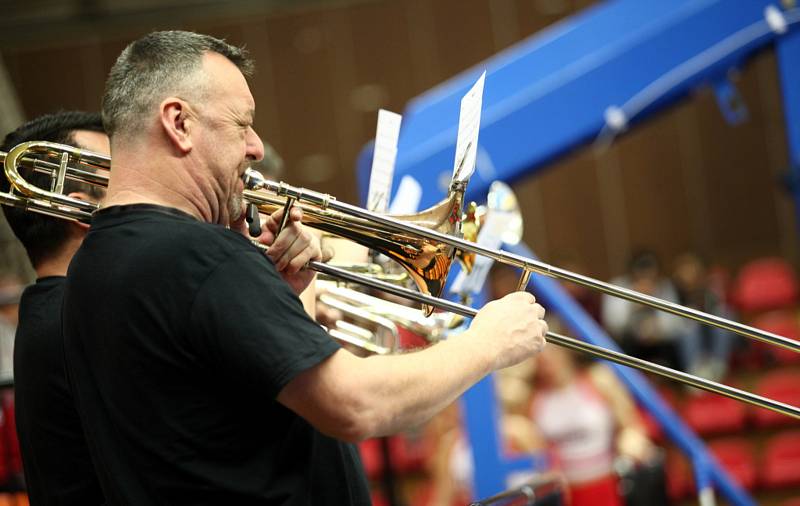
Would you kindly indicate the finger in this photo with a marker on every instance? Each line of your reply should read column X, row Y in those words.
column 301, row 251
column 283, row 242
column 523, row 296
column 266, row 237
column 545, row 329
column 539, row 311
column 327, row 252
column 273, row 221
column 295, row 214
column 298, row 246
column 299, row 262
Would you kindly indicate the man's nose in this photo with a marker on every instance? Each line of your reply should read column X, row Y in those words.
column 255, row 147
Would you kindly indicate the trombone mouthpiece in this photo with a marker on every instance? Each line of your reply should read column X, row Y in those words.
column 253, row 180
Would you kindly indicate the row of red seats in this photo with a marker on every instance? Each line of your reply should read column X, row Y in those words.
column 10, row 456
column 407, row 454
column 763, row 285
column 777, row 467
column 710, row 414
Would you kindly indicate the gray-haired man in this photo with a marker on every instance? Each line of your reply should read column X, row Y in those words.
column 197, row 372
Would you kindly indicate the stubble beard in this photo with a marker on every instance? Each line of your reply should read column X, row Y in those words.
column 236, row 206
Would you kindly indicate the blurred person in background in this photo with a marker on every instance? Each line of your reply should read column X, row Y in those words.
column 10, row 291
column 55, row 454
column 586, row 419
column 707, row 349
column 583, row 416
column 643, row 331
column 451, row 466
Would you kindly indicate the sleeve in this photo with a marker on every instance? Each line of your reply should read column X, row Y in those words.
column 248, row 322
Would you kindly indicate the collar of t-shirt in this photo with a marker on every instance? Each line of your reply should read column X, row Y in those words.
column 138, row 208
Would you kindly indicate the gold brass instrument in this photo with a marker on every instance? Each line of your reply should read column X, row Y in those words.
column 424, row 244
column 432, row 328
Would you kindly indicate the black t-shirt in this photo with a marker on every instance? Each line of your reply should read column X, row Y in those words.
column 178, row 337
column 58, row 468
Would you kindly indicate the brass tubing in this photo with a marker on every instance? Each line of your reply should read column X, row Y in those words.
column 529, row 264
column 574, row 344
column 346, row 213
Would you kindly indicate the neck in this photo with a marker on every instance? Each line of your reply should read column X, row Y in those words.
column 58, row 264
column 172, row 184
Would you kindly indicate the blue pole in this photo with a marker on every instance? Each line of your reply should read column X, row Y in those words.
column 481, row 411
column 707, row 470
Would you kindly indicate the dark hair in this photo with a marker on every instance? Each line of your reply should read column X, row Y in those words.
column 643, row 261
column 41, row 235
column 156, row 66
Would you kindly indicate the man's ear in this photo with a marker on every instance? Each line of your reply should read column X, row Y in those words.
column 175, row 120
column 79, row 227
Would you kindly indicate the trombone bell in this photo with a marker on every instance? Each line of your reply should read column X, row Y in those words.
column 426, row 260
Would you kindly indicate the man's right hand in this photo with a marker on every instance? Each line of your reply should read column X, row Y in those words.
column 513, row 328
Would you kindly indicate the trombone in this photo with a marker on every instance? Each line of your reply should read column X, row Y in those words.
column 424, row 244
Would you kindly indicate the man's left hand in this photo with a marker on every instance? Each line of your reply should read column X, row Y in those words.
column 293, row 248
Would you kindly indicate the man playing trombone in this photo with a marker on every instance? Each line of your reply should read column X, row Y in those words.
column 196, row 371
column 55, row 454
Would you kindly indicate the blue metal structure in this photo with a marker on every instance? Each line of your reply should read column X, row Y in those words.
column 553, row 92
column 587, row 78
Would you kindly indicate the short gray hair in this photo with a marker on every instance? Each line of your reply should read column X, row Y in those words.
column 155, row 66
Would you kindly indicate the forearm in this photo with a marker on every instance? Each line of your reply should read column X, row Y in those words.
column 403, row 391
column 354, row 398
column 309, row 299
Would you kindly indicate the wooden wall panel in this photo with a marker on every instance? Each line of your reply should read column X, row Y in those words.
column 655, row 197
column 571, row 208
column 683, row 180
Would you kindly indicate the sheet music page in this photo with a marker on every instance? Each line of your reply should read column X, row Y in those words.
column 469, row 123
column 409, row 195
column 383, row 158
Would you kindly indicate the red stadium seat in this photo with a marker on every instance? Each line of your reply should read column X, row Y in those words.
column 378, row 499
column 765, row 284
column 781, row 461
column 711, row 414
column 783, row 323
column 736, row 455
column 782, row 386
column 14, row 454
column 408, row 454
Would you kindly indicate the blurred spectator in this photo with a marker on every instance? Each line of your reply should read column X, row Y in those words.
column 707, row 349
column 452, row 463
column 10, row 291
column 643, row 331
column 590, row 424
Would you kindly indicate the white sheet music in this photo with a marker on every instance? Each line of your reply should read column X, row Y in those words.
column 469, row 124
column 409, row 195
column 383, row 158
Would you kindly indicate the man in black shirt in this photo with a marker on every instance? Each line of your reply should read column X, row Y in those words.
column 195, row 369
column 55, row 456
